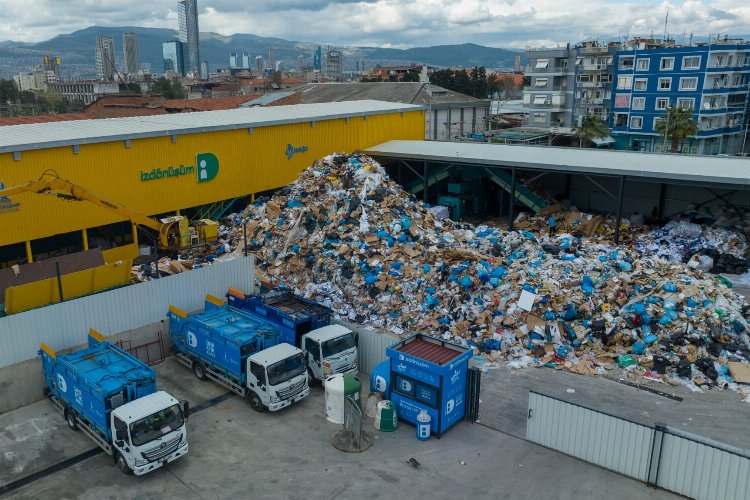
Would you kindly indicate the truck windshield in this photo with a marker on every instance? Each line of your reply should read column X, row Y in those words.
column 156, row 425
column 286, row 369
column 337, row 345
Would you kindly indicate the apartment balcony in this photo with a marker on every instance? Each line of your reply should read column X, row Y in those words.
column 594, row 67
column 590, row 85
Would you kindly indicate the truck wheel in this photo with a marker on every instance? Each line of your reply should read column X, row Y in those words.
column 255, row 402
column 312, row 381
column 200, row 370
column 123, row 465
column 70, row 416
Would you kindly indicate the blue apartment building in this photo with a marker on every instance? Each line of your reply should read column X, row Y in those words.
column 711, row 79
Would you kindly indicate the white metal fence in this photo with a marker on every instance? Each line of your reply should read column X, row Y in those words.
column 372, row 345
column 66, row 324
column 660, row 456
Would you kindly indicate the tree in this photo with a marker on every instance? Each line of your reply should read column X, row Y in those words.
column 169, row 89
column 592, row 127
column 276, row 77
column 8, row 91
column 677, row 125
column 410, row 77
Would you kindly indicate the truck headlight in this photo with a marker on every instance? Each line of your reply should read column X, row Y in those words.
column 139, row 462
column 275, row 399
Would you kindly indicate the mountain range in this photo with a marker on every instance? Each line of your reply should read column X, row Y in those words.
column 77, row 52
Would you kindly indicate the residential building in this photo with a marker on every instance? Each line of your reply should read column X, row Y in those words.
column 711, row 79
column 174, row 57
column 105, row 57
column 549, row 98
column 593, row 83
column 245, row 60
column 260, row 65
column 187, row 14
column 130, row 51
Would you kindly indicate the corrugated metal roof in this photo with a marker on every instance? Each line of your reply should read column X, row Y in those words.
column 703, row 170
column 47, row 135
column 268, row 98
column 406, row 92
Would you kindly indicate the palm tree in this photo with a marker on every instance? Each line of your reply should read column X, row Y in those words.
column 678, row 125
column 591, row 127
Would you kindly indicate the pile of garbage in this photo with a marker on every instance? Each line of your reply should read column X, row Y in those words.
column 347, row 236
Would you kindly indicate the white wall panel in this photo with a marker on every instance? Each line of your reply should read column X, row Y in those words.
column 66, row 324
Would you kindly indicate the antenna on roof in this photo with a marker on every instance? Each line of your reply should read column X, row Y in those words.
column 666, row 20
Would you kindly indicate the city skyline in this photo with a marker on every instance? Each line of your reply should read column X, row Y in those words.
column 387, row 24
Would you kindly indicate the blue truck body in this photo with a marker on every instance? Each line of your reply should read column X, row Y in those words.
column 293, row 315
column 221, row 338
column 93, row 379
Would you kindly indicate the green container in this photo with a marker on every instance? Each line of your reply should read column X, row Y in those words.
column 386, row 419
column 353, row 388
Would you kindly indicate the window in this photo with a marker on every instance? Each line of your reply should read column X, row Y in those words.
column 540, row 99
column 640, row 84
column 609, row 59
column 665, row 83
column 624, row 82
column 539, row 118
column 626, row 63
column 259, row 372
column 689, row 83
column 686, row 103
column 621, row 119
column 542, row 63
column 584, row 78
column 662, row 102
column 563, row 64
column 642, row 64
column 541, row 82
column 606, row 78
column 667, row 64
column 636, row 122
column 691, row 62
column 639, row 103
column 656, row 121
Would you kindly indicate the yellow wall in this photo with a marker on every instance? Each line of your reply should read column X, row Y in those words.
column 249, row 163
column 44, row 292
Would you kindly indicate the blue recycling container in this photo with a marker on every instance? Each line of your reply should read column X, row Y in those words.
column 427, row 373
column 423, row 425
column 380, row 379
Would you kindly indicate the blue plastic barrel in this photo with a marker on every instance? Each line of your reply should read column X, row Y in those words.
column 381, row 377
column 424, row 421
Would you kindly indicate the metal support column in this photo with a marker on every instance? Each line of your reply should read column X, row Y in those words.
column 135, row 234
column 619, row 209
column 29, row 255
column 568, row 182
column 660, row 203
column 85, row 238
column 424, row 177
column 512, row 202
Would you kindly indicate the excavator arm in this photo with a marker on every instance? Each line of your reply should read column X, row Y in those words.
column 52, row 184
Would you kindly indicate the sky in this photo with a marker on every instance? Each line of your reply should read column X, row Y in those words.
column 517, row 24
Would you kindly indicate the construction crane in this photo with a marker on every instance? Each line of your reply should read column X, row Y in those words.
column 52, row 184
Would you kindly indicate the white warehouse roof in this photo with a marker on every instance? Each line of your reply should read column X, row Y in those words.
column 54, row 134
column 653, row 167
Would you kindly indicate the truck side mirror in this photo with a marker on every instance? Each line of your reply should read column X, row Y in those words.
column 185, row 405
column 356, row 339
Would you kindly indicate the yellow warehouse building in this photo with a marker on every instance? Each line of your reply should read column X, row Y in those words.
column 166, row 164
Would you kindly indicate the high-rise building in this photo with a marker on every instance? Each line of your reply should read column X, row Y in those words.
column 105, row 57
column 317, row 58
column 174, row 57
column 187, row 13
column 130, row 51
column 271, row 58
column 260, row 65
column 246, row 60
column 233, row 63
column 333, row 64
column 51, row 64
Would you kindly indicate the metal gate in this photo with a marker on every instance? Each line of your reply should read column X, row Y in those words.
column 657, row 455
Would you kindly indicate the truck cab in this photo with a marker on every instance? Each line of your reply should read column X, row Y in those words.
column 149, row 432
column 276, row 378
column 330, row 350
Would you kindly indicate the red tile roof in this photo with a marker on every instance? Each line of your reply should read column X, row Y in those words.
column 24, row 120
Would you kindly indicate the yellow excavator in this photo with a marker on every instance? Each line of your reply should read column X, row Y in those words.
column 172, row 231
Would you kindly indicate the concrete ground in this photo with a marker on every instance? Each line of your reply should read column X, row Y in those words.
column 237, row 453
